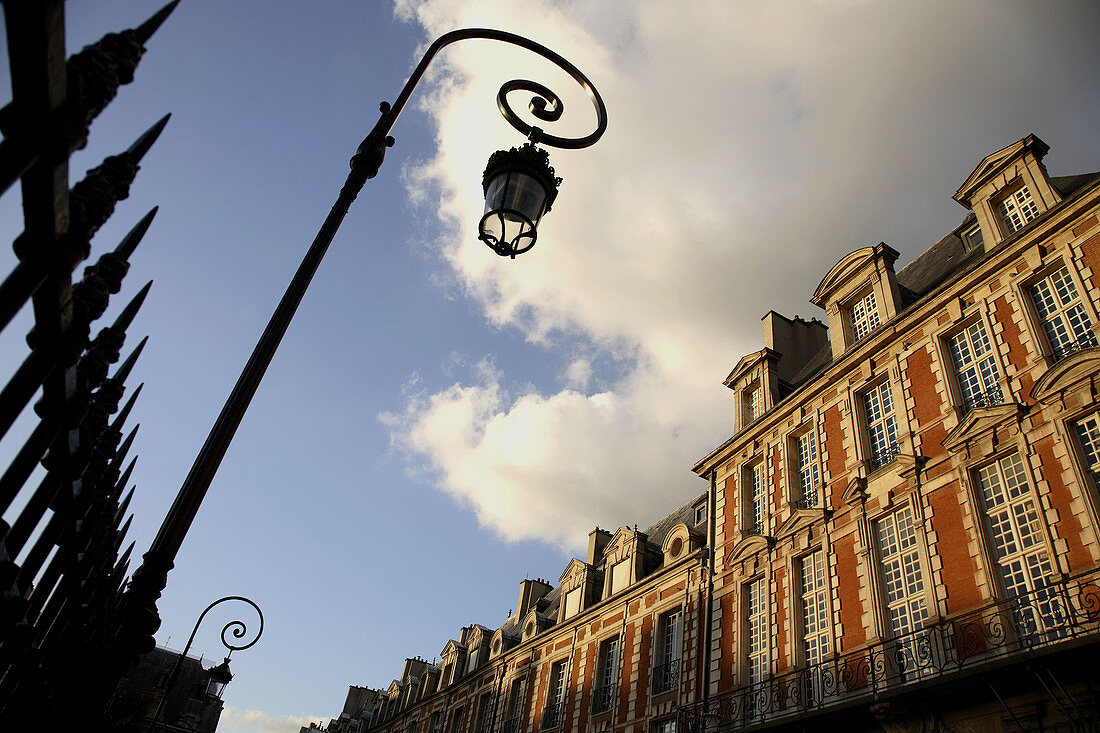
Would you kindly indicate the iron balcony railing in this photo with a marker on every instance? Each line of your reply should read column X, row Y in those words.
column 756, row 528
column 666, row 676
column 602, row 698
column 551, row 715
column 511, row 725
column 1043, row 619
column 808, row 500
column 881, row 457
column 1087, row 341
column 989, row 398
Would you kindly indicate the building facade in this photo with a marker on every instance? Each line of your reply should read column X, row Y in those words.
column 907, row 508
column 900, row 533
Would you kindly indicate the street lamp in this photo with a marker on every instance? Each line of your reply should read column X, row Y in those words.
column 520, row 187
column 219, row 676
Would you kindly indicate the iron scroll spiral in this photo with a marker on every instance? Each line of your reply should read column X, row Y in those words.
column 236, row 629
column 545, row 105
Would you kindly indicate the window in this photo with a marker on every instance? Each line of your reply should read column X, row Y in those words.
column 756, row 506
column 607, row 667
column 1066, row 325
column 434, row 725
column 700, row 513
column 882, row 425
column 664, row 726
column 483, row 704
column 456, row 721
column 573, row 602
column 515, row 707
column 412, row 727
column 620, row 575
column 752, row 405
column 807, row 470
column 1017, row 542
column 863, row 316
column 902, row 581
column 972, row 238
column 666, row 673
column 975, row 367
column 471, row 663
column 756, row 629
column 1017, row 209
column 1088, row 437
column 814, row 589
column 555, row 696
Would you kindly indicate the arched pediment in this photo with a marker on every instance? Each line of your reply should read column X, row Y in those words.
column 978, row 422
column 749, row 545
column 850, row 265
column 1066, row 373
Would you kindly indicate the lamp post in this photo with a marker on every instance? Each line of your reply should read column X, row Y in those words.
column 520, row 186
column 219, row 676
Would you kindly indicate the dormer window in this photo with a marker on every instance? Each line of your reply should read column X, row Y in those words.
column 863, row 316
column 972, row 238
column 752, row 405
column 700, row 514
column 1016, row 210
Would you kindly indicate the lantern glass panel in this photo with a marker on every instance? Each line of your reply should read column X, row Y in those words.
column 215, row 688
column 519, row 193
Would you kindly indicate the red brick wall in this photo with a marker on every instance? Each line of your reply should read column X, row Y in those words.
column 928, row 404
column 1068, row 528
column 834, row 439
column 1017, row 352
column 960, row 572
column 851, row 610
column 780, row 617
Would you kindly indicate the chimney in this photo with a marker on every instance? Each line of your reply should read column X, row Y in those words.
column 796, row 341
column 597, row 541
column 529, row 592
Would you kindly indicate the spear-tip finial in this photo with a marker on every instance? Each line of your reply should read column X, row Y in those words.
column 130, row 242
column 141, row 146
column 126, row 317
column 125, row 411
column 128, row 365
column 146, row 30
column 125, row 503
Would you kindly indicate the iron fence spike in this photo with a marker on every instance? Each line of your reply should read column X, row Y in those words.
column 130, row 242
column 146, row 30
column 141, row 146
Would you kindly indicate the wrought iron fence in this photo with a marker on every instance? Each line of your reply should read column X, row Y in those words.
column 1042, row 619
column 666, row 676
column 989, row 398
column 511, row 725
column 551, row 715
column 1087, row 341
column 602, row 698
column 809, row 499
column 881, row 458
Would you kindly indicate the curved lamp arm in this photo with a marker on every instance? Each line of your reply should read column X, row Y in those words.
column 546, row 105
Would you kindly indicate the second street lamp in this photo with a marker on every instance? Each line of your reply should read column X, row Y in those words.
column 520, row 187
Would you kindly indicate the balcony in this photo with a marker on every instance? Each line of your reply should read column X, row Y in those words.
column 989, row 398
column 1086, row 342
column 552, row 715
column 999, row 634
column 880, row 458
column 602, row 699
column 666, row 677
column 809, row 499
column 511, row 725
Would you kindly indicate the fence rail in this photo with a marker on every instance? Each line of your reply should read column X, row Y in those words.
column 1049, row 616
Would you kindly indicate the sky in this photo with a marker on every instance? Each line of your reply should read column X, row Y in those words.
column 440, row 423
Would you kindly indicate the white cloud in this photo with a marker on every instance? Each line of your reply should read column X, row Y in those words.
column 750, row 146
column 237, row 720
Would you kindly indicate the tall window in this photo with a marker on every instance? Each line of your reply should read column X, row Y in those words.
column 664, row 726
column 1017, row 542
column 607, row 666
column 752, row 405
column 975, row 366
column 814, row 589
column 1088, row 436
column 666, row 674
column 1017, row 209
column 882, row 424
column 756, row 509
column 902, row 580
column 808, row 471
column 434, row 725
column 756, row 629
column 515, row 703
column 863, row 316
column 456, row 720
column 1066, row 325
column 481, row 725
column 555, row 696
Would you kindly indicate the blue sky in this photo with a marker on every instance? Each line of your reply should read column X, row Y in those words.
column 440, row 423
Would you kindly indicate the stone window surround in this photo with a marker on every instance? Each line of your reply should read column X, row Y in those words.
column 1042, row 268
column 942, row 347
